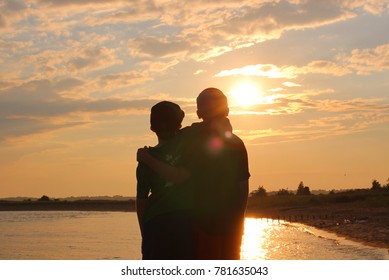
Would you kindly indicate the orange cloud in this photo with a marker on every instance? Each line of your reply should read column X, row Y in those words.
column 158, row 47
column 263, row 70
column 367, row 61
column 364, row 61
column 315, row 128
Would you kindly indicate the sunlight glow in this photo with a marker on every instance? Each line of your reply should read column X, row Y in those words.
column 245, row 94
column 248, row 94
column 256, row 234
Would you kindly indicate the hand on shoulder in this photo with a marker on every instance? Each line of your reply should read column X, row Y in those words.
column 142, row 154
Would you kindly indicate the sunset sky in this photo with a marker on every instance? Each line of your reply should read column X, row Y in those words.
column 307, row 82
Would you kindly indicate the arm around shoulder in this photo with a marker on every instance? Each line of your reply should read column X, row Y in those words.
column 171, row 173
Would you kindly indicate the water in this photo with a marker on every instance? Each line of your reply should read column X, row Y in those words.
column 78, row 235
column 67, row 235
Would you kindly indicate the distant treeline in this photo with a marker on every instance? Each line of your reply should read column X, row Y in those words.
column 305, row 190
column 376, row 196
column 70, row 198
column 46, row 204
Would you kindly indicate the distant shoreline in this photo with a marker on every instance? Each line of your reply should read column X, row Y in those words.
column 77, row 205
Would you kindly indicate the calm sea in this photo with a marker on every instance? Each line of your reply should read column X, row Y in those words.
column 78, row 235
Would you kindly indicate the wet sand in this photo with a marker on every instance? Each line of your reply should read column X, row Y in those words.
column 366, row 225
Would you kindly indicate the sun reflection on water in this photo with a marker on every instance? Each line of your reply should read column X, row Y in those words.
column 257, row 235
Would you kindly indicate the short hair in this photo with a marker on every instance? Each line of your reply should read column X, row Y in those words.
column 212, row 103
column 166, row 117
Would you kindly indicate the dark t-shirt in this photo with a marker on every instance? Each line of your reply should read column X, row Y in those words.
column 162, row 196
column 217, row 160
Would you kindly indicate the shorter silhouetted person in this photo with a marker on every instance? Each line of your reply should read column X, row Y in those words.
column 164, row 211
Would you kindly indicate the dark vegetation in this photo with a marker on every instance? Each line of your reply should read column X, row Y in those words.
column 376, row 196
column 45, row 203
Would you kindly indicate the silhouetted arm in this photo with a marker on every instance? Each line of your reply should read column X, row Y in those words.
column 140, row 209
column 175, row 175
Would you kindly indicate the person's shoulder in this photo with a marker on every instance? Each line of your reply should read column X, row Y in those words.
column 159, row 152
column 235, row 140
column 193, row 127
column 191, row 130
column 154, row 151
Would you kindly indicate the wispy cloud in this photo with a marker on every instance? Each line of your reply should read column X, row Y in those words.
column 38, row 106
column 368, row 61
column 158, row 47
column 263, row 70
column 291, row 84
column 349, row 123
column 362, row 62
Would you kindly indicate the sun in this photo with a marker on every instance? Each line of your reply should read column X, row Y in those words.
column 245, row 94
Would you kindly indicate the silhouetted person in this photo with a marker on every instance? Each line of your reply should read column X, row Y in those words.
column 213, row 163
column 218, row 164
column 164, row 212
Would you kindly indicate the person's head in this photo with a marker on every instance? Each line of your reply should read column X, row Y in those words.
column 165, row 119
column 212, row 103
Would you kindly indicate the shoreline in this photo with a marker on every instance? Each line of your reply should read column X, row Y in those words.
column 63, row 205
column 368, row 226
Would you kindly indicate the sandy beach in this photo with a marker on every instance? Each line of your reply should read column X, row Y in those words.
column 366, row 225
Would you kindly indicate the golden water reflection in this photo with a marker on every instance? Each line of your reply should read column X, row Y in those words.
column 268, row 239
column 257, row 238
